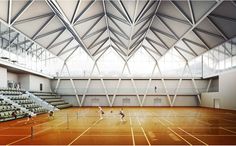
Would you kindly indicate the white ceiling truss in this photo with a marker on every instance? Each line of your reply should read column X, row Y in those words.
column 60, row 26
column 111, row 97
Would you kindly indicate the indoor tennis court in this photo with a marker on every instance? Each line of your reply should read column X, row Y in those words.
column 117, row 72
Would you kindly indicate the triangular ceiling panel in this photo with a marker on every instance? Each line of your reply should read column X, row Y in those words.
column 17, row 6
column 160, row 26
column 114, row 8
column 184, row 7
column 141, row 26
column 179, row 28
column 167, row 8
column 123, row 25
column 35, row 26
column 68, row 8
column 181, row 45
column 64, row 36
column 45, row 41
column 84, row 4
column 130, row 8
column 95, row 39
column 200, row 8
column 3, row 10
column 186, row 54
column 151, row 8
column 95, row 8
column 222, row 21
column 194, row 38
column 211, row 40
column 198, row 49
column 37, row 8
column 82, row 28
column 53, row 24
column 71, row 46
column 168, row 41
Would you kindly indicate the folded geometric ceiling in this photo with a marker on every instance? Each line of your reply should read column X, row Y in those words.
column 61, row 26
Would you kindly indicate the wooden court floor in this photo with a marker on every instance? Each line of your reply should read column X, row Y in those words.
column 143, row 126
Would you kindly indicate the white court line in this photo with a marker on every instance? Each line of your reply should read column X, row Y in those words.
column 161, row 122
column 132, row 132
column 179, row 135
column 16, row 135
column 168, row 121
column 33, row 134
column 144, row 133
column 84, row 132
column 146, row 136
column 173, row 131
column 208, row 135
column 201, row 121
column 192, row 136
column 228, row 130
column 111, row 135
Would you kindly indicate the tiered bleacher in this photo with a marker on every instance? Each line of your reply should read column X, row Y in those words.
column 23, row 100
column 6, row 110
column 52, row 99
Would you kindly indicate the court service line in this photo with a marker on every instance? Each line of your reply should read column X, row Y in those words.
column 168, row 121
column 84, row 132
column 179, row 135
column 228, row 130
column 210, row 135
column 33, row 134
column 144, row 133
column 161, row 122
column 193, row 136
column 201, row 121
column 174, row 132
column 132, row 131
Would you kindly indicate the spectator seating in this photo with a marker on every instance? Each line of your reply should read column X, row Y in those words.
column 52, row 99
column 6, row 110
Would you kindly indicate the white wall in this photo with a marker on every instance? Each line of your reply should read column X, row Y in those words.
column 27, row 81
column 34, row 83
column 12, row 76
column 226, row 94
column 71, row 99
column 3, row 77
column 24, row 80
column 186, row 94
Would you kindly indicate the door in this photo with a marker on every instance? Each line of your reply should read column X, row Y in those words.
column 126, row 102
column 216, row 103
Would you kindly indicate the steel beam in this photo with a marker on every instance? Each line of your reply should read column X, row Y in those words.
column 84, row 10
column 54, row 6
column 22, row 10
column 34, row 18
